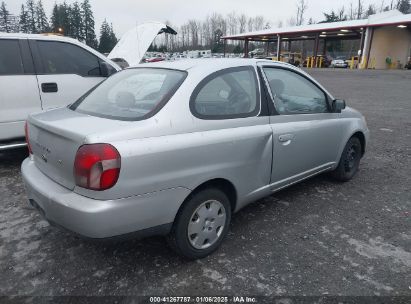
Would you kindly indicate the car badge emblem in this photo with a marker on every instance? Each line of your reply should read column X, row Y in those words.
column 44, row 158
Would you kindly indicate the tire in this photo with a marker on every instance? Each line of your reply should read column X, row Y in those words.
column 202, row 212
column 349, row 161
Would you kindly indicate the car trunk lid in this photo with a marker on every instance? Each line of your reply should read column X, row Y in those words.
column 55, row 136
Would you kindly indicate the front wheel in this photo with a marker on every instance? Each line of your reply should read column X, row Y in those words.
column 349, row 162
column 201, row 224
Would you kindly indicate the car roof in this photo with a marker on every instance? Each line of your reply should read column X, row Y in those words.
column 45, row 36
column 210, row 64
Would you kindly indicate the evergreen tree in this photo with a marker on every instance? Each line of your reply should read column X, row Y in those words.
column 24, row 24
column 113, row 36
column 404, row 6
column 370, row 11
column 65, row 13
column 5, row 19
column 41, row 18
column 107, row 38
column 31, row 17
column 333, row 17
column 104, row 46
column 88, row 21
column 55, row 20
column 77, row 25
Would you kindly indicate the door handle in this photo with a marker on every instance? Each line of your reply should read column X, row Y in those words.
column 49, row 87
column 286, row 138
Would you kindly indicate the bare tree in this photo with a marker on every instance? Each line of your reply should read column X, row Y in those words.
column 242, row 20
column 291, row 21
column 259, row 23
column 341, row 14
column 360, row 9
column 193, row 27
column 250, row 24
column 301, row 9
column 232, row 23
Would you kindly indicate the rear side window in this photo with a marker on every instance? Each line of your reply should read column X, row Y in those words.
column 10, row 58
column 133, row 94
column 66, row 58
column 230, row 93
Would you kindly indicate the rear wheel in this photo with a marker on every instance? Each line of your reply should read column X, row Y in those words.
column 201, row 224
column 349, row 162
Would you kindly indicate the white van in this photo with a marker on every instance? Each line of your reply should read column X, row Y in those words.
column 40, row 72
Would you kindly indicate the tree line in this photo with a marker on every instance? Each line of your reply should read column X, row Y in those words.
column 205, row 34
column 362, row 11
column 75, row 20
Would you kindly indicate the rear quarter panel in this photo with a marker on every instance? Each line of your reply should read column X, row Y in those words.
column 175, row 149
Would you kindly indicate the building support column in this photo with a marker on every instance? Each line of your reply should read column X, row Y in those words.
column 267, row 48
column 289, row 45
column 367, row 47
column 246, row 47
column 325, row 48
column 225, row 44
column 316, row 45
column 369, row 38
column 278, row 47
column 361, row 55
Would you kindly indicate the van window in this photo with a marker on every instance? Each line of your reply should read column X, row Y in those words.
column 132, row 94
column 10, row 58
column 230, row 93
column 66, row 58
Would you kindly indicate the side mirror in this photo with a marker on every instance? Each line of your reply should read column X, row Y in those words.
column 106, row 69
column 338, row 105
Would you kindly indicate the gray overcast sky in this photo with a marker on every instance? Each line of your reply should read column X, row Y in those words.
column 126, row 13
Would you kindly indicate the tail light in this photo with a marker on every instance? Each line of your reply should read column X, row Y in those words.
column 97, row 166
column 26, row 132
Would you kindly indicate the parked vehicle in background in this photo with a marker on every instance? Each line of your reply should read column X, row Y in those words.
column 326, row 60
column 178, row 57
column 408, row 65
column 155, row 59
column 41, row 72
column 338, row 63
column 176, row 147
column 198, row 54
column 134, row 44
column 121, row 62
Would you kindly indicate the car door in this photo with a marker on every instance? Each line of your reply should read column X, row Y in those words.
column 65, row 72
column 236, row 138
column 19, row 93
column 306, row 133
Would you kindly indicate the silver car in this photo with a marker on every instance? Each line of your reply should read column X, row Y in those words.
column 175, row 148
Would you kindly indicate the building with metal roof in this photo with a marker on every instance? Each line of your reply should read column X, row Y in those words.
column 385, row 38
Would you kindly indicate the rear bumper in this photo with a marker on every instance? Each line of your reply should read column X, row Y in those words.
column 147, row 214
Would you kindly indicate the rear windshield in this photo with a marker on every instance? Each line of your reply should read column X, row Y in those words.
column 133, row 94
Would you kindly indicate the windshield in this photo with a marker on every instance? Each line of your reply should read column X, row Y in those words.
column 133, row 94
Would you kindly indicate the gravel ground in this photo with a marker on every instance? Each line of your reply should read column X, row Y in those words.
column 315, row 238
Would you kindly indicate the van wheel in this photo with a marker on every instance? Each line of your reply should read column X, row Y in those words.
column 201, row 225
column 349, row 162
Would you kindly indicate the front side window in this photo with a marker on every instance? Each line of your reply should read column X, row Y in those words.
column 133, row 94
column 66, row 58
column 10, row 58
column 294, row 94
column 230, row 93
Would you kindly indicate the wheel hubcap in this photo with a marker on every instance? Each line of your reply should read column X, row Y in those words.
column 351, row 159
column 206, row 224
